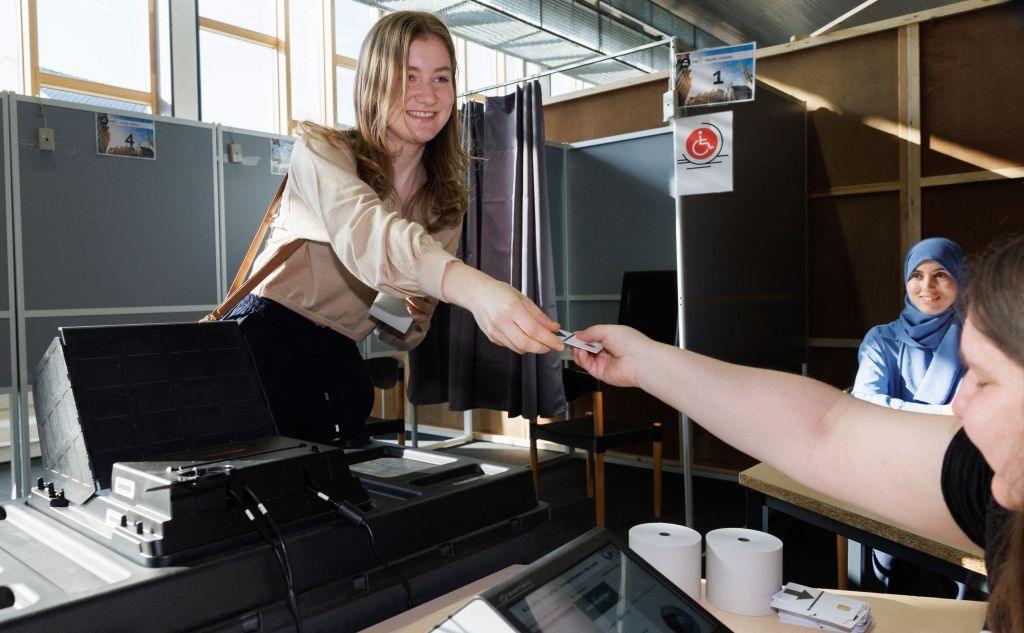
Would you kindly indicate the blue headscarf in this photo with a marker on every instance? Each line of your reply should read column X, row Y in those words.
column 932, row 341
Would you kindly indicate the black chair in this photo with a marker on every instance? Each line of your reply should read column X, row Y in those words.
column 595, row 435
column 387, row 372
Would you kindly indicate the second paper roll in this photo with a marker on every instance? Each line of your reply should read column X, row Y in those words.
column 674, row 550
column 744, row 569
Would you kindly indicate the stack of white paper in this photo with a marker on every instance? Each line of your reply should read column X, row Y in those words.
column 819, row 609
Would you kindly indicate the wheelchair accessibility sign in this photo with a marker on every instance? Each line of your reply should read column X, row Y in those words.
column 703, row 146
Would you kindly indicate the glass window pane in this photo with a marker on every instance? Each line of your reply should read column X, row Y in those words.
column 93, row 101
column 10, row 46
column 513, row 68
column 346, row 94
column 352, row 21
column 255, row 15
column 481, row 67
column 118, row 41
column 238, row 82
column 306, row 61
column 561, row 84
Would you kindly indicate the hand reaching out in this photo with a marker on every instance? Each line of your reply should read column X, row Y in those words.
column 506, row 316
column 619, row 361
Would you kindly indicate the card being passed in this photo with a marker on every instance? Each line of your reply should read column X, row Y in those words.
column 572, row 340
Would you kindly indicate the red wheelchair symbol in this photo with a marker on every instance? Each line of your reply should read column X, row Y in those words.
column 703, row 144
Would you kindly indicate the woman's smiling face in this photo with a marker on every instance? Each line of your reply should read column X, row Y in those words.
column 931, row 288
column 429, row 93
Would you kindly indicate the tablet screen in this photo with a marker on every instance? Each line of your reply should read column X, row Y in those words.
column 606, row 591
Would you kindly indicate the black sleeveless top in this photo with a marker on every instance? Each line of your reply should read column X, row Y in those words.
column 967, row 489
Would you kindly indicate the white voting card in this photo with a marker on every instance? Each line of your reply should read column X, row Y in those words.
column 823, row 607
column 811, row 624
column 574, row 341
column 392, row 312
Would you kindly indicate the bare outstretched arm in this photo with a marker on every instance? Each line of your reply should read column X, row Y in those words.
column 885, row 461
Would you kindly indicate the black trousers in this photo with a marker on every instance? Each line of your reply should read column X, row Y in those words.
column 315, row 379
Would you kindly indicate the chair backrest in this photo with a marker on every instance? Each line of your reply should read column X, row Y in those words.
column 578, row 384
column 385, row 371
column 648, row 303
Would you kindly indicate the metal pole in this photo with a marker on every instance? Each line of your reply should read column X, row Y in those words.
column 685, row 443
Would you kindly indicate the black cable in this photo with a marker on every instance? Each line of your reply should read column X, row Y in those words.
column 353, row 515
column 277, row 544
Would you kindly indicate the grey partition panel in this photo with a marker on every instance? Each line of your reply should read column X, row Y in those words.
column 745, row 251
column 621, row 212
column 587, row 313
column 5, row 354
column 248, row 190
column 40, row 331
column 103, row 231
column 555, row 167
column 5, row 209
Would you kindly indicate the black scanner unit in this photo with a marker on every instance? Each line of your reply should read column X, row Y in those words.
column 144, row 429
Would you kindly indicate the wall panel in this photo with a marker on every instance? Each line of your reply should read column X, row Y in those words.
column 248, row 188
column 854, row 263
column 975, row 215
column 851, row 91
column 103, row 231
column 972, row 87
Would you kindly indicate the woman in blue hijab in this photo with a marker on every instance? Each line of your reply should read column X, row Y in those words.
column 913, row 363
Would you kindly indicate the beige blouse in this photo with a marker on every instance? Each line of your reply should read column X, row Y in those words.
column 357, row 245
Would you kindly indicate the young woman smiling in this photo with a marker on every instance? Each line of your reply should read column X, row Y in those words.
column 380, row 208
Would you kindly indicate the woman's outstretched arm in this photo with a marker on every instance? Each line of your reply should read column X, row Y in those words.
column 885, row 461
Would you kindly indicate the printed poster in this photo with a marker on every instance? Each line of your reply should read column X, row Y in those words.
column 125, row 136
column 704, row 147
column 280, row 156
column 715, row 76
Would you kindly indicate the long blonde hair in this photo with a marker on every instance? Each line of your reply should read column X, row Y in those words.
column 380, row 82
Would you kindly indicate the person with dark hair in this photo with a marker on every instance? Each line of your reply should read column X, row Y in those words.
column 378, row 208
column 957, row 479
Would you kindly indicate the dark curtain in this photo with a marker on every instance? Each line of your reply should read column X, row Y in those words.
column 506, row 234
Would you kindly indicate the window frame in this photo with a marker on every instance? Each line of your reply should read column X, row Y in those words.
column 39, row 79
column 280, row 43
column 334, row 61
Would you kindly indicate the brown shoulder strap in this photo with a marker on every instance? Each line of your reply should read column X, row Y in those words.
column 242, row 286
column 257, row 240
column 230, row 301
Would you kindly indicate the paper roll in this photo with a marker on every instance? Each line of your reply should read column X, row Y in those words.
column 674, row 550
column 744, row 569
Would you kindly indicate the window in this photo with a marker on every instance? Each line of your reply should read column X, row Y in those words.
column 306, row 60
column 346, row 82
column 10, row 45
column 238, row 82
column 119, row 63
column 352, row 21
column 243, row 64
column 481, row 67
column 563, row 84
